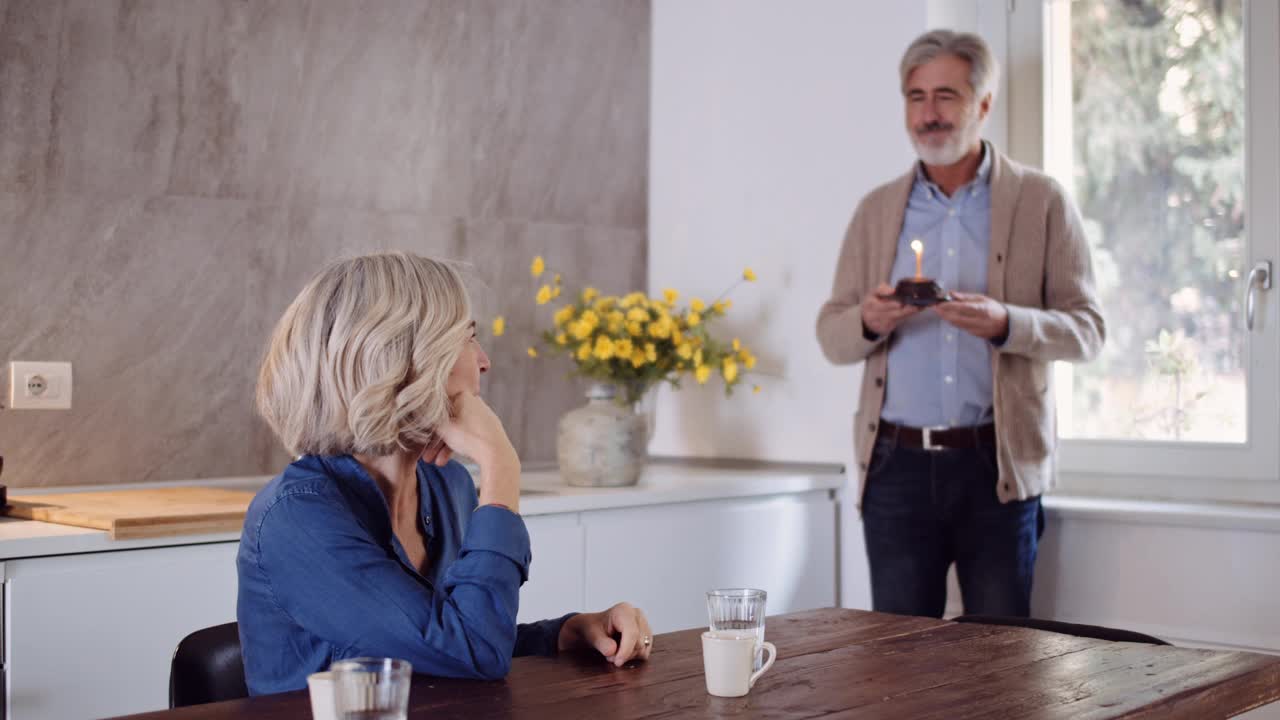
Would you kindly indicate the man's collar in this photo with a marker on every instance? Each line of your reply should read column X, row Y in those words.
column 984, row 168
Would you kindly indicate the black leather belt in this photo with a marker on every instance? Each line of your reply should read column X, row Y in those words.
column 960, row 438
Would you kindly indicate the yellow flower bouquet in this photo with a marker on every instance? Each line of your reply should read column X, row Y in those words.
column 634, row 342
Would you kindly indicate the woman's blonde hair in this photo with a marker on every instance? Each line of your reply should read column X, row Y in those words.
column 360, row 360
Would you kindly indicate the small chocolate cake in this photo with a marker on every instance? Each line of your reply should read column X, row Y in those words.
column 921, row 292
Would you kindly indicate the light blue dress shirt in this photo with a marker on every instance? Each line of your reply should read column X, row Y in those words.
column 939, row 375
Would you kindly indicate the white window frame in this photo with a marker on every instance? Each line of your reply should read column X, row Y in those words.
column 1248, row 472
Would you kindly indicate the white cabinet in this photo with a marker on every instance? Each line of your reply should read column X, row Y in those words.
column 91, row 635
column 555, row 584
column 663, row 558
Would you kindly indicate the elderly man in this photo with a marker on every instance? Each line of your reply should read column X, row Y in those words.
column 955, row 424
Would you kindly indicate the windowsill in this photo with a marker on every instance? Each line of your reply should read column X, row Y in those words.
column 1197, row 514
column 1207, row 490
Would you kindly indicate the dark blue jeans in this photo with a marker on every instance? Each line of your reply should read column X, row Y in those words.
column 925, row 509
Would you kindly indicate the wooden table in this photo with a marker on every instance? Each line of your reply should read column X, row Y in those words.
column 850, row 664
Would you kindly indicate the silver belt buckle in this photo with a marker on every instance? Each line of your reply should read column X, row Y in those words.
column 926, row 438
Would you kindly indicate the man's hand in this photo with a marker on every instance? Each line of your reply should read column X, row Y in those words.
column 881, row 315
column 620, row 633
column 975, row 314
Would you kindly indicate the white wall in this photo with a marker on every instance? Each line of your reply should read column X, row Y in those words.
column 769, row 121
column 1188, row 574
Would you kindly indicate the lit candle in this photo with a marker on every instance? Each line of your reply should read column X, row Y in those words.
column 919, row 248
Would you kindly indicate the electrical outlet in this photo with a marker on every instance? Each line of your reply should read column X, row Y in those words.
column 39, row 385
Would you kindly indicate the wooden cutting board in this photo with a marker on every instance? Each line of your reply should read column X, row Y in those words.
column 141, row 513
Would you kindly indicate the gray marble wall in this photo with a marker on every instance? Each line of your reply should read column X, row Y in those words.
column 171, row 173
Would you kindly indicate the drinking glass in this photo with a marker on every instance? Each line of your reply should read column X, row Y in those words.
column 371, row 688
column 738, row 612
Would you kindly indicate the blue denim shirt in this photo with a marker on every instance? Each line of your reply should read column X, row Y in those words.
column 322, row 578
column 939, row 375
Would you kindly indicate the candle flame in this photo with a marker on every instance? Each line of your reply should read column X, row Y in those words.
column 917, row 246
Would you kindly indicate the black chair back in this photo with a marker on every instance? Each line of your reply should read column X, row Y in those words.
column 207, row 667
column 1066, row 628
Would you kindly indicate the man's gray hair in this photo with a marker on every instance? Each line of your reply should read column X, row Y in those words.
column 984, row 71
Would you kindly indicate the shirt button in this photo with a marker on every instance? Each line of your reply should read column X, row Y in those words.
column 951, row 252
column 426, row 519
column 948, row 379
column 951, row 212
column 950, row 337
column 953, row 422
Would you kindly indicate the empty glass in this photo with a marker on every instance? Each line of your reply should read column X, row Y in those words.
column 738, row 612
column 371, row 688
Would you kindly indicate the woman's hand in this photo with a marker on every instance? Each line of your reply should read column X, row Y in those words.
column 474, row 430
column 437, row 453
column 620, row 634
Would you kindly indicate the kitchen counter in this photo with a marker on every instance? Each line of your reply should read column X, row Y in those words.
column 665, row 481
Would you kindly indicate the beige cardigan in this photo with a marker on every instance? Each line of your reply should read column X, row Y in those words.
column 1038, row 265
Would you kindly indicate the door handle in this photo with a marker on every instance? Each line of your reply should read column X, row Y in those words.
column 1259, row 279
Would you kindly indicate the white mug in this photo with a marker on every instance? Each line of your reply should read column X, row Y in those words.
column 727, row 661
column 320, row 685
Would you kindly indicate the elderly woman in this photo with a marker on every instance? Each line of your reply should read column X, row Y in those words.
column 374, row 541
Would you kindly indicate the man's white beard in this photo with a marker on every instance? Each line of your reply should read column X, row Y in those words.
column 954, row 149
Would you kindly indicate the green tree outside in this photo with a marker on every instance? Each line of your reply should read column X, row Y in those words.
column 1158, row 102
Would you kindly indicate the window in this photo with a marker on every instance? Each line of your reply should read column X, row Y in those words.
column 1162, row 119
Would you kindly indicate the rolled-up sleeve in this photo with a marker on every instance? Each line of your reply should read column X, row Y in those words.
column 536, row 638
column 541, row 637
